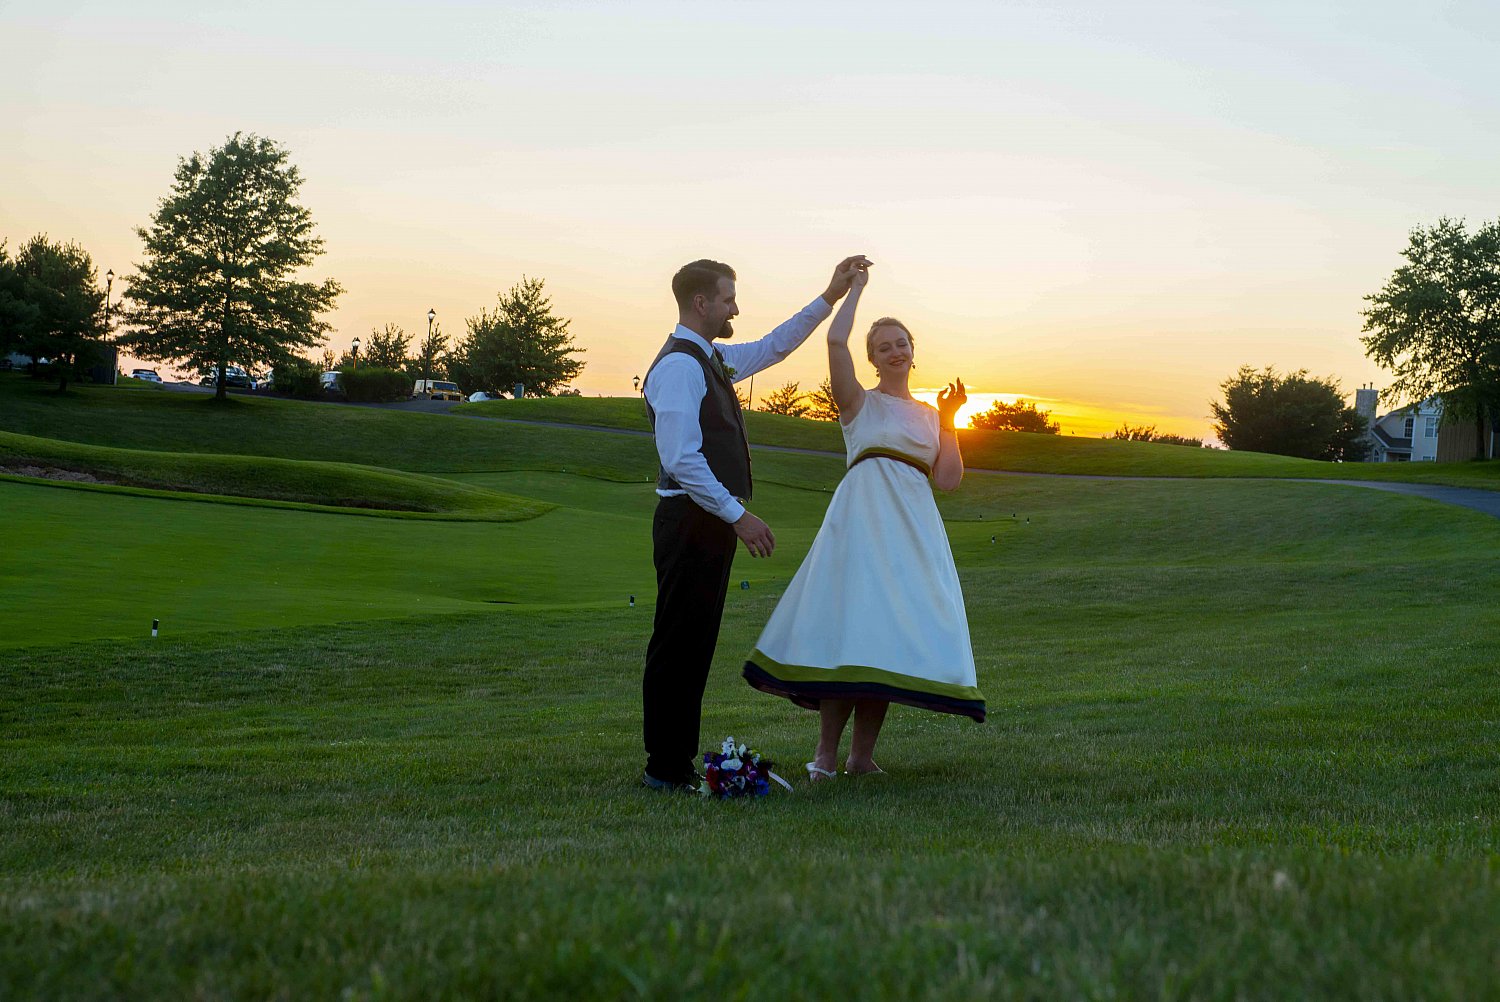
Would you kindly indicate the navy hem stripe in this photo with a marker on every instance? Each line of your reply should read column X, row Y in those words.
column 808, row 694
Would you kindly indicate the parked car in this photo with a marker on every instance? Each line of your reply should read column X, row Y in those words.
column 149, row 375
column 266, row 382
column 330, row 383
column 233, row 376
column 479, row 395
column 436, row 389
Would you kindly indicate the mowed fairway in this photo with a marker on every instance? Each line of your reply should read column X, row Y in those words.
column 1244, row 741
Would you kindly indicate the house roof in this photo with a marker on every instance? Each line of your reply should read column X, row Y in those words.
column 1390, row 442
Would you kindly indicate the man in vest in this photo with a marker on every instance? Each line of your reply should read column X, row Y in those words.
column 703, row 484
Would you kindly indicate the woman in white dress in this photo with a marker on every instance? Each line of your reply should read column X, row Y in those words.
column 875, row 614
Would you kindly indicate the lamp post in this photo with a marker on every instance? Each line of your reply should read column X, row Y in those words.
column 427, row 350
column 637, row 384
column 109, row 281
column 354, row 353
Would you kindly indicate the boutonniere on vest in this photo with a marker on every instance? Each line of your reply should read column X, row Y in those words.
column 724, row 367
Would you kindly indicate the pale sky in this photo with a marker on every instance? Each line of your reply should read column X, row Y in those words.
column 1104, row 206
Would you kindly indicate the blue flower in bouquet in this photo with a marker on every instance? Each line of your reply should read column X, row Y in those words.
column 736, row 770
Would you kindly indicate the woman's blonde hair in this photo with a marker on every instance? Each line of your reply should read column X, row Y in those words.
column 885, row 322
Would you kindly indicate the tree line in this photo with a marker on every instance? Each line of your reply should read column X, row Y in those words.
column 220, row 285
column 521, row 340
column 1435, row 325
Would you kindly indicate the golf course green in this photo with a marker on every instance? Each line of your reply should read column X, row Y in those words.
column 1243, row 735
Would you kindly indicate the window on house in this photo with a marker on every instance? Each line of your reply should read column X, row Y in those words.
column 1406, row 427
column 1432, row 427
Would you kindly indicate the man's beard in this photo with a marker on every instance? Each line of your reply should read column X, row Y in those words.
column 726, row 329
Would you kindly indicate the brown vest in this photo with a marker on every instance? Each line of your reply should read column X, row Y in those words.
column 723, row 426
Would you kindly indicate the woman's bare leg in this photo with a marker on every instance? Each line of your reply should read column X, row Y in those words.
column 833, row 715
column 869, row 714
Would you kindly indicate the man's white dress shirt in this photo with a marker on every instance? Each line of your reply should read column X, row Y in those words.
column 675, row 391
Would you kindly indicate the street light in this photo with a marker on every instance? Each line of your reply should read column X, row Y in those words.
column 354, row 354
column 637, row 384
column 427, row 350
column 109, row 281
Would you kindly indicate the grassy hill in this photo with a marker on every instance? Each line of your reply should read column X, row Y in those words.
column 1019, row 451
column 260, row 426
column 252, row 479
column 1241, row 738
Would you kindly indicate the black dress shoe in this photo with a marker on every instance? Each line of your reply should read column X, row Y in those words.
column 686, row 785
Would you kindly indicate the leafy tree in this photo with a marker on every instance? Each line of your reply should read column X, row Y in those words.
column 386, row 349
column 520, row 341
column 330, row 360
column 431, row 360
column 59, row 304
column 820, row 403
column 1148, row 433
column 18, row 315
column 1436, row 323
column 743, row 396
column 1023, row 415
column 787, row 400
column 1291, row 415
column 217, row 285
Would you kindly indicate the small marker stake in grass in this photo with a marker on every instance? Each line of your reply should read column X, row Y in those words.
column 632, row 601
column 155, row 625
column 744, row 586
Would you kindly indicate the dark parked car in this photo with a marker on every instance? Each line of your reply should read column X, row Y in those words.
column 233, row 376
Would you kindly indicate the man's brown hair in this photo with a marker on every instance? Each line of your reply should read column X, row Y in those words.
column 699, row 278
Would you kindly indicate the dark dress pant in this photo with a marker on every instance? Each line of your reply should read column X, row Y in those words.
column 693, row 552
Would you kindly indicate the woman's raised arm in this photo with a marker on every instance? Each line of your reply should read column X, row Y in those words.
column 847, row 392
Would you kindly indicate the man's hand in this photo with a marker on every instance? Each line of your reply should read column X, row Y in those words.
column 844, row 276
column 755, row 534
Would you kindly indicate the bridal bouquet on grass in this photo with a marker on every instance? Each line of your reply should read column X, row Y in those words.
column 737, row 771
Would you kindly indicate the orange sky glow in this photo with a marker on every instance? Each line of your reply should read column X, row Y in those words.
column 1106, row 208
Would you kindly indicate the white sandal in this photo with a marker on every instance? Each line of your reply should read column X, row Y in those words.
column 813, row 773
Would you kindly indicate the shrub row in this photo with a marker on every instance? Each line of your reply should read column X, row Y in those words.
column 374, row 384
column 297, row 377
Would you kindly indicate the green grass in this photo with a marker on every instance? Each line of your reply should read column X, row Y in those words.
column 286, row 482
column 292, row 429
column 1242, row 743
column 1267, row 772
column 1021, row 452
column 262, row 426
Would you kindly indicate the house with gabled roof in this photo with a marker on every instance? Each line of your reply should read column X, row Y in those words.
column 1406, row 435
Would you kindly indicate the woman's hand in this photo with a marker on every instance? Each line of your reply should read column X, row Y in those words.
column 850, row 271
column 949, row 401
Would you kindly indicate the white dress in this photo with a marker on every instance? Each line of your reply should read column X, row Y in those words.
column 875, row 611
